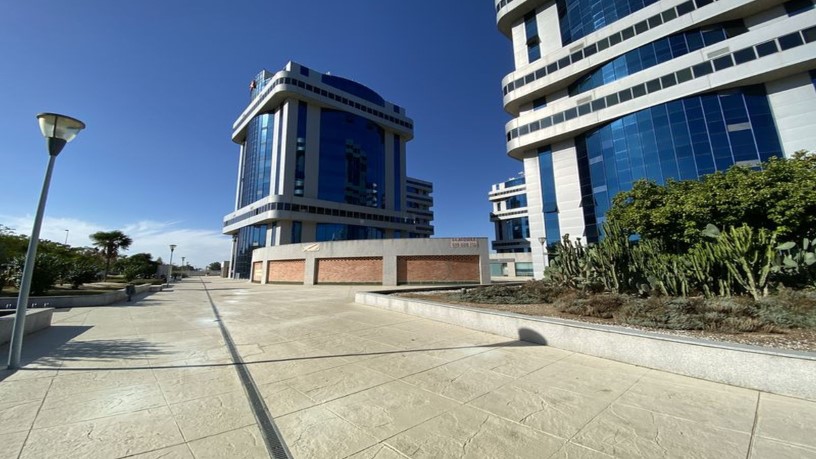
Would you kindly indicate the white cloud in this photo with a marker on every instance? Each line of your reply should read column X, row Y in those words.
column 198, row 247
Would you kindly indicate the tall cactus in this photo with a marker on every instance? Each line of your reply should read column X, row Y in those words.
column 747, row 254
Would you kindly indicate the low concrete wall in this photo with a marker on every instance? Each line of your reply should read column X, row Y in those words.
column 36, row 319
column 778, row 371
column 61, row 302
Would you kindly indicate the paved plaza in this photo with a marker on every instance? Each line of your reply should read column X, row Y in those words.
column 157, row 378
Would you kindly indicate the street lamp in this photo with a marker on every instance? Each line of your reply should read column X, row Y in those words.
column 58, row 130
column 543, row 242
column 170, row 270
column 183, row 265
column 66, row 237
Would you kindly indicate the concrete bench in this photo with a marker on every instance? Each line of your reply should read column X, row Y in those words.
column 36, row 319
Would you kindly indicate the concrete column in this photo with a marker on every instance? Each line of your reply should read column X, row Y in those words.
column 310, row 270
column 389, row 270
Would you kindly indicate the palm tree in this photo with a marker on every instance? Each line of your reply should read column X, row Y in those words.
column 110, row 242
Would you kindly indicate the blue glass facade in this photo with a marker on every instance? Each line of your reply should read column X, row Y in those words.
column 549, row 200
column 340, row 232
column 352, row 87
column 655, row 53
column 533, row 41
column 249, row 238
column 397, row 173
column 300, row 149
column 257, row 163
column 679, row 140
column 515, row 202
column 579, row 18
column 516, row 228
column 352, row 159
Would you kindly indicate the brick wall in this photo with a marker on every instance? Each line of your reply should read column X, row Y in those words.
column 368, row 270
column 443, row 268
column 286, row 271
column 257, row 271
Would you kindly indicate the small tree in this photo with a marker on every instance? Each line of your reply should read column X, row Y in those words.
column 47, row 269
column 111, row 242
column 778, row 198
column 214, row 266
column 138, row 265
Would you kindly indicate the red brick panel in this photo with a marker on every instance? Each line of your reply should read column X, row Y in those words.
column 257, row 271
column 367, row 270
column 286, row 271
column 438, row 268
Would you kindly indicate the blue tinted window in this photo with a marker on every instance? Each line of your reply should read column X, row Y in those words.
column 653, row 54
column 300, row 150
column 354, row 88
column 578, row 18
column 249, row 239
column 795, row 7
column 256, row 169
column 340, row 232
column 514, row 202
column 352, row 159
column 515, row 228
column 683, row 139
column 297, row 232
column 397, row 172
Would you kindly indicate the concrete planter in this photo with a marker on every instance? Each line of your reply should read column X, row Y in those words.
column 36, row 319
column 60, row 302
column 778, row 371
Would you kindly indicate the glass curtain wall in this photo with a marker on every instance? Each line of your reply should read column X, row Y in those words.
column 681, row 140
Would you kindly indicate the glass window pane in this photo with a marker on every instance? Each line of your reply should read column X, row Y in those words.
column 790, row 41
column 766, row 48
column 744, row 55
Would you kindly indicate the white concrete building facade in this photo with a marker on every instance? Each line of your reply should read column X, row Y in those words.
column 607, row 92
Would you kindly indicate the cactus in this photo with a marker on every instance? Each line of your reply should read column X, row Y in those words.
column 747, row 254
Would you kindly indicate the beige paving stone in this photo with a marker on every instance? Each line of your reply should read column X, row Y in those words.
column 350, row 347
column 18, row 416
column 595, row 381
column 573, row 451
column 731, row 409
column 378, row 452
column 65, row 408
column 513, row 361
column 404, row 363
column 114, row 436
column 24, row 390
column 317, row 432
column 281, row 399
column 786, row 419
column 288, row 360
column 556, row 411
column 333, row 383
column 625, row 431
column 458, row 381
column 12, row 443
column 401, row 339
column 73, row 381
column 767, row 448
column 386, row 410
column 202, row 382
column 203, row 417
column 470, row 433
column 243, row 443
column 173, row 452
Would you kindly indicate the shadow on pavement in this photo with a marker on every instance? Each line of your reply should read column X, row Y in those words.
column 122, row 348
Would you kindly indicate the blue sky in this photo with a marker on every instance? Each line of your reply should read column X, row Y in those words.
column 159, row 84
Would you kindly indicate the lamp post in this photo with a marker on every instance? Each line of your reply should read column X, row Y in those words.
column 170, row 269
column 66, row 237
column 58, row 130
column 543, row 242
column 183, row 265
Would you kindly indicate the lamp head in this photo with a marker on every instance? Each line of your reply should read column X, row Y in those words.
column 173, row 247
column 58, row 130
column 542, row 240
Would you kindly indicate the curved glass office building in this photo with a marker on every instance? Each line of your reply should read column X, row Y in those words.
column 608, row 92
column 322, row 158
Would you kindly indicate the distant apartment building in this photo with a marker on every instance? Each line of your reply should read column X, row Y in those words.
column 321, row 158
column 512, row 243
column 607, row 92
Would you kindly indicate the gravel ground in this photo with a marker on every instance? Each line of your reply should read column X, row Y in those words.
column 793, row 339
